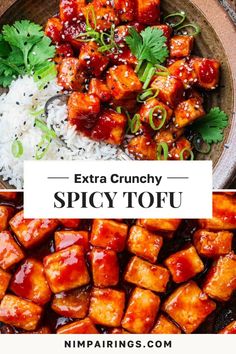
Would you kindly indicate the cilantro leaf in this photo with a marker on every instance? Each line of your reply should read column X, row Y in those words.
column 4, row 47
column 41, row 52
column 211, row 126
column 135, row 42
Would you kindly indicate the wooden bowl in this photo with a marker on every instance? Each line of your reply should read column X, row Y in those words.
column 215, row 40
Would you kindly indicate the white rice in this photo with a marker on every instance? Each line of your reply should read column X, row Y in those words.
column 16, row 121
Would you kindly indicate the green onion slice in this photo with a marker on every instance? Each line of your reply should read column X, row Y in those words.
column 147, row 75
column 200, row 145
column 181, row 155
column 191, row 25
column 42, row 147
column 161, row 70
column 37, row 113
column 163, row 119
column 162, row 151
column 147, row 95
column 43, row 126
column 135, row 123
column 17, row 148
column 180, row 14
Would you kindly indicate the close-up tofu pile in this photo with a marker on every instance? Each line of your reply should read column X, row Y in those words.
column 73, row 276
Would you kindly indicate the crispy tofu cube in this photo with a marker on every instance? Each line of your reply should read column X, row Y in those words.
column 64, row 239
column 184, row 72
column 160, row 224
column 110, row 127
column 72, row 31
column 224, row 213
column 70, row 223
column 230, row 329
column 123, row 82
column 8, row 195
column 103, row 12
column 70, row 77
column 141, row 311
column 213, row 244
column 207, row 71
column 83, row 110
column 142, row 147
column 144, row 243
column 184, row 264
column 171, row 89
column 29, row 282
column 147, row 275
column 71, row 9
column 73, row 303
column 109, row 234
column 4, row 282
column 91, row 60
column 148, row 11
column 6, row 213
column 220, row 282
column 99, row 88
column 188, row 306
column 181, row 149
column 168, row 134
column 63, row 51
column 66, row 269
column 188, row 111
column 42, row 330
column 165, row 326
column 123, row 56
column 181, row 46
column 125, row 9
column 20, row 313
column 118, row 331
column 85, row 326
column 156, row 108
column 53, row 29
column 166, row 29
column 107, row 307
column 10, row 252
column 31, row 232
column 105, row 267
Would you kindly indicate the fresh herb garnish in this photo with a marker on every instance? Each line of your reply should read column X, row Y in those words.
column 24, row 50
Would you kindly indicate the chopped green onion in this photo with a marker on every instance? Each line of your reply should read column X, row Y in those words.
column 43, row 126
column 94, row 19
column 181, row 155
column 161, row 70
column 182, row 16
column 147, row 95
column 42, row 147
column 162, row 121
column 200, row 145
column 45, row 74
column 191, row 25
column 162, row 151
column 17, row 148
column 37, row 113
column 135, row 123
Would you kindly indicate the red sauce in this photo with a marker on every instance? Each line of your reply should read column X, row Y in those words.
column 22, row 281
column 104, row 127
column 207, row 71
column 183, row 268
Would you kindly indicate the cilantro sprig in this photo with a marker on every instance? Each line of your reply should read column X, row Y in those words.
column 24, row 50
column 150, row 49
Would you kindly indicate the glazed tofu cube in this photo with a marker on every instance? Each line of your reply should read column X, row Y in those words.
column 224, row 213
column 72, row 31
column 181, row 46
column 156, row 108
column 103, row 12
column 188, row 306
column 99, row 88
column 170, row 88
column 42, row 330
column 8, row 195
column 85, row 326
column 167, row 30
column 109, row 234
column 63, row 51
column 148, row 11
column 220, row 281
column 181, row 149
column 141, row 312
column 230, row 329
column 73, row 303
column 91, row 60
column 168, row 134
column 10, row 252
column 184, row 72
column 31, row 232
column 83, row 110
column 118, row 331
column 123, row 82
column 144, row 243
column 66, row 269
column 207, row 71
column 64, row 239
column 125, row 9
column 165, row 326
column 105, row 267
column 6, row 213
column 123, row 56
column 4, row 282
column 188, row 111
column 184, row 264
column 107, row 307
column 213, row 244
column 53, row 29
column 29, row 282
column 70, row 223
column 20, row 313
column 71, row 9
column 110, row 127
column 147, row 275
column 70, row 76
column 160, row 224
column 142, row 147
